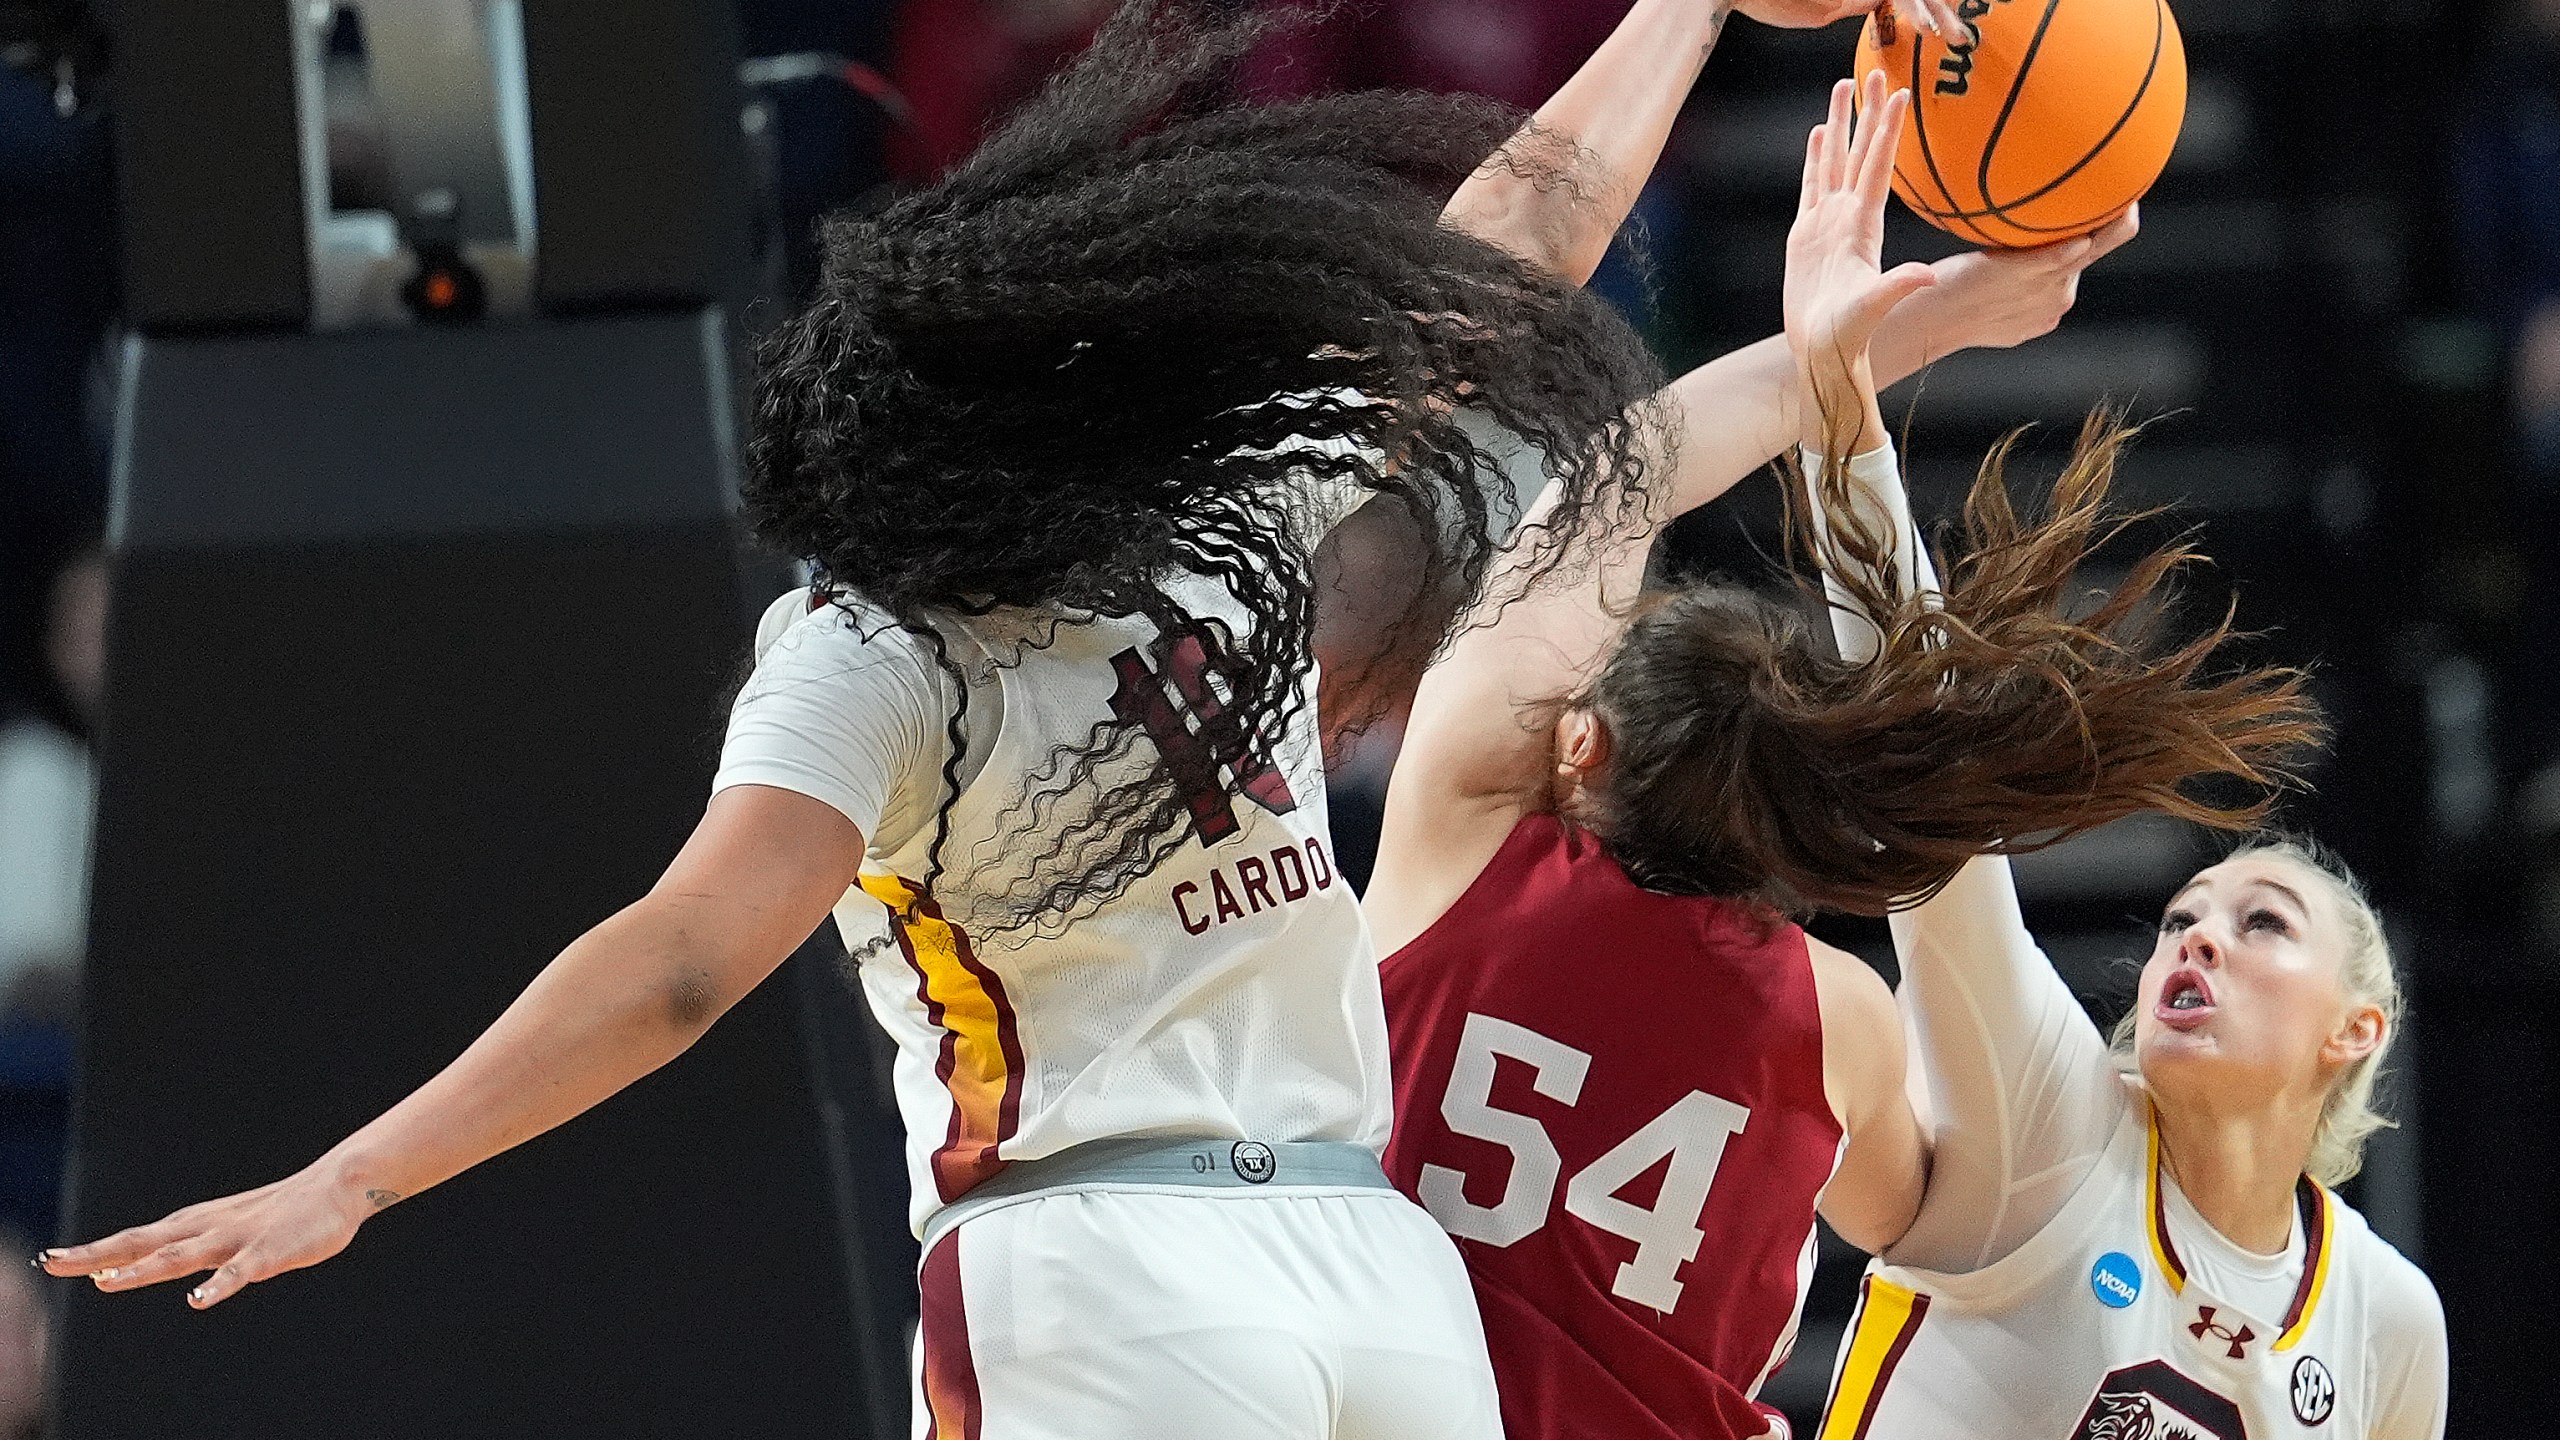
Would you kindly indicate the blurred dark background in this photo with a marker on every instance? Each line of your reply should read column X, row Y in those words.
column 2344, row 310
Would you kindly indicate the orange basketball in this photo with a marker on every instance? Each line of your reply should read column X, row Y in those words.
column 2044, row 123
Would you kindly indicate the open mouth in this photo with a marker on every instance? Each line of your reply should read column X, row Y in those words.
column 2185, row 999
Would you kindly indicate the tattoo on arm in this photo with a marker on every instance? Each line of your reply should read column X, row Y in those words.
column 382, row 1199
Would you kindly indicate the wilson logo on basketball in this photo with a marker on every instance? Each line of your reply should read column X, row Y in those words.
column 1955, row 68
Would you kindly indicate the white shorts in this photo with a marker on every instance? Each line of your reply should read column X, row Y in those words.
column 1259, row 1315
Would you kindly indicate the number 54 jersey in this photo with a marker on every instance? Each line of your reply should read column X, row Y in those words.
column 1613, row 1099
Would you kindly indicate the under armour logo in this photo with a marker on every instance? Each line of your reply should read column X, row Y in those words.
column 2239, row 1339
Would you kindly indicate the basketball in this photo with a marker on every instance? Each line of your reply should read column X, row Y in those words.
column 2043, row 123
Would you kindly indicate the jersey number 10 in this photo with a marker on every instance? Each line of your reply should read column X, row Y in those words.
column 1692, row 1133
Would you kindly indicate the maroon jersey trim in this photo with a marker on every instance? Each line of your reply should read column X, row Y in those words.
column 953, row 1408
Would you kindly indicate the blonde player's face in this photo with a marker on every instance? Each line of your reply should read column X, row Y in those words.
column 2243, row 999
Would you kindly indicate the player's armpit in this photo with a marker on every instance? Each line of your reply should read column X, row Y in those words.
column 1884, row 1167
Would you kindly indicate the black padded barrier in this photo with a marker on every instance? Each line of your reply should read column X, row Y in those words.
column 417, row 651
column 208, row 165
column 639, row 171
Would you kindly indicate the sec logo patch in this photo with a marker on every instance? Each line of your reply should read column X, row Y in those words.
column 2115, row 1280
column 2315, row 1394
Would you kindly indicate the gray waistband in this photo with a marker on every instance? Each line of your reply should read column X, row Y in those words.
column 1149, row 1163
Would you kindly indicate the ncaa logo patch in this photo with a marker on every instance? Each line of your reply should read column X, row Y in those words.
column 1254, row 1161
column 2115, row 1280
column 2315, row 1394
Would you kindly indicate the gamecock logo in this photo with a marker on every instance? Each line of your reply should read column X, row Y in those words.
column 2151, row 1401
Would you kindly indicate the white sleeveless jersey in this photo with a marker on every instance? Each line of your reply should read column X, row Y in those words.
column 1233, row 992
column 2098, row 1328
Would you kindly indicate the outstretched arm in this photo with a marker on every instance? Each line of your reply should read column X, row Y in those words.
column 1556, row 193
column 1475, row 757
column 759, row 874
column 1478, row 752
column 2020, row 1091
column 2018, row 1084
column 1837, row 295
column 2022, row 1095
column 1740, row 411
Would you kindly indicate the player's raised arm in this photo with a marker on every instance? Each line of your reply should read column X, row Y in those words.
column 1837, row 296
column 1741, row 410
column 2001, row 1039
column 1478, row 750
column 1556, row 192
column 759, row 873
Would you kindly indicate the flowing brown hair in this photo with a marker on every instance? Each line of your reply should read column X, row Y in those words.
column 1747, row 760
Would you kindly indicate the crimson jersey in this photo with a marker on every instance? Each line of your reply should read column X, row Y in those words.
column 1613, row 1098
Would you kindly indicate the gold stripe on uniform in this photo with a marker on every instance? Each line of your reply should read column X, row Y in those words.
column 2320, row 1234
column 2155, row 1219
column 976, row 1068
column 1888, row 1314
column 2319, row 1238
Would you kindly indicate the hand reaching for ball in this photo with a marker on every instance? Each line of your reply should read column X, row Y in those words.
column 1993, row 299
column 1837, row 289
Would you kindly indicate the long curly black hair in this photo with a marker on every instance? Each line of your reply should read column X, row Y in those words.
column 1116, row 344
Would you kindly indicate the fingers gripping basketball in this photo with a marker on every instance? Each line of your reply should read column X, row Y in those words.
column 2042, row 121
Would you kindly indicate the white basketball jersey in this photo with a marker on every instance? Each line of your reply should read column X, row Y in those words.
column 1232, row 992
column 2097, row 1329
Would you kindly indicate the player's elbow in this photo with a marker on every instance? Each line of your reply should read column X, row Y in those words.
column 678, row 961
column 1523, row 222
column 692, row 999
